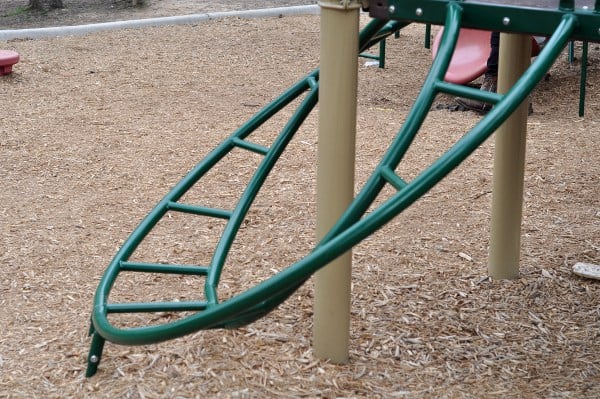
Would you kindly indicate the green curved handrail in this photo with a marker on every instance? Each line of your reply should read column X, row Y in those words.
column 355, row 224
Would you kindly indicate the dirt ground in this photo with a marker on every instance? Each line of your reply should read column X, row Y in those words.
column 96, row 129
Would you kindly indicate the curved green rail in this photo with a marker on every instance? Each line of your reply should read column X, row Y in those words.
column 353, row 226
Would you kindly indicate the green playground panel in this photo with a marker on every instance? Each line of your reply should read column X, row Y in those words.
column 535, row 17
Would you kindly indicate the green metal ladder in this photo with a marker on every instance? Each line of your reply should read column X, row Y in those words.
column 355, row 225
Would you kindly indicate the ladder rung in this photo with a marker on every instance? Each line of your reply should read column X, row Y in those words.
column 468, row 92
column 147, row 307
column 391, row 177
column 259, row 149
column 164, row 268
column 199, row 210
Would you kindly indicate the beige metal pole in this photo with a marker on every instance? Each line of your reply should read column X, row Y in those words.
column 509, row 164
column 335, row 171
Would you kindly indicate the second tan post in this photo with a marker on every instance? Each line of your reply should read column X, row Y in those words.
column 509, row 164
column 335, row 172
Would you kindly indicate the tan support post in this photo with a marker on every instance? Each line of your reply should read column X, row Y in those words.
column 509, row 164
column 335, row 171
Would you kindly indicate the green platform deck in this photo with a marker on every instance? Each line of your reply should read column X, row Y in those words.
column 535, row 17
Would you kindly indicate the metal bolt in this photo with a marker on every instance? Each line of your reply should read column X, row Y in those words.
column 392, row 9
column 506, row 21
column 93, row 359
column 419, row 12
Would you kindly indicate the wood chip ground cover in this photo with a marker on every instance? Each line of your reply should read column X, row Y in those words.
column 96, row 129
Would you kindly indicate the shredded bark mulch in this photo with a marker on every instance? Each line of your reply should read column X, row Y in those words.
column 96, row 129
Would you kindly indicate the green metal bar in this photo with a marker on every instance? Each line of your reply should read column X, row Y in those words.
column 382, row 54
column 198, row 210
column 259, row 149
column 91, row 329
column 467, row 92
column 164, row 268
column 150, row 307
column 583, row 77
column 427, row 36
column 95, row 354
column 391, row 177
column 571, row 52
column 370, row 56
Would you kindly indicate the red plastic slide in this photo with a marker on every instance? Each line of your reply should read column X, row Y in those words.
column 470, row 56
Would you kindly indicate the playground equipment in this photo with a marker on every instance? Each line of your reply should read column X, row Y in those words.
column 562, row 22
column 470, row 55
column 472, row 50
column 583, row 74
column 7, row 60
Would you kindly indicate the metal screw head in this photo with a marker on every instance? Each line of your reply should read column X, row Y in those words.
column 419, row 12
column 506, row 21
column 392, row 9
column 93, row 359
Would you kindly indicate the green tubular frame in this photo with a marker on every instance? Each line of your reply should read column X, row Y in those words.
column 353, row 226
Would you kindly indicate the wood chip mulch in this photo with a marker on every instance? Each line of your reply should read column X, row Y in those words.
column 96, row 129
